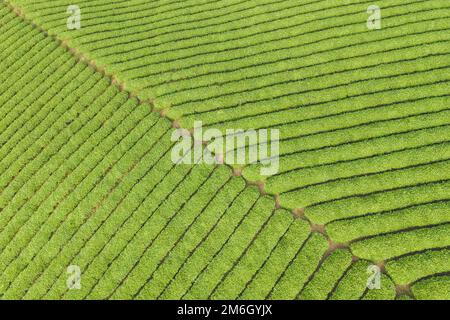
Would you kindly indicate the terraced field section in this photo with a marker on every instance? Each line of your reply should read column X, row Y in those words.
column 87, row 179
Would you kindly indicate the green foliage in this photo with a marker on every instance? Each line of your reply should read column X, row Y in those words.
column 86, row 176
column 435, row 288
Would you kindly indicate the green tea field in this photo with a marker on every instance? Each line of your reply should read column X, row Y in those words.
column 93, row 205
